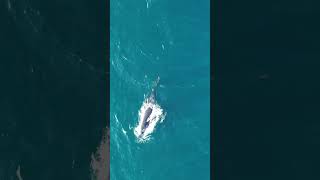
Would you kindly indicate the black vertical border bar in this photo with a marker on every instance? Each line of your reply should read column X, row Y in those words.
column 211, row 87
column 108, row 61
column 19, row 43
column 108, row 83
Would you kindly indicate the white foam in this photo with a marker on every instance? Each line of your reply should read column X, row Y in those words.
column 156, row 116
column 124, row 131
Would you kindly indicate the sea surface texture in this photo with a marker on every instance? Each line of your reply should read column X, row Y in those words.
column 169, row 39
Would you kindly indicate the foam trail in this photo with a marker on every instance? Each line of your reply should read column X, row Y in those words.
column 157, row 115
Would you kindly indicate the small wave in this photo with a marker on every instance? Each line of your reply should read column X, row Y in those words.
column 124, row 131
column 116, row 118
column 157, row 115
column 119, row 125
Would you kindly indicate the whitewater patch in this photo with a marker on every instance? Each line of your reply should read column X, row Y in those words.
column 157, row 116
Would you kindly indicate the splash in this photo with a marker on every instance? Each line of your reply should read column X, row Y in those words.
column 157, row 116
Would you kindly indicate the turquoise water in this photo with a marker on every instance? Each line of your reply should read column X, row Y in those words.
column 169, row 39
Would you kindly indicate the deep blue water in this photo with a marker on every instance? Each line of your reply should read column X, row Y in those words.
column 169, row 39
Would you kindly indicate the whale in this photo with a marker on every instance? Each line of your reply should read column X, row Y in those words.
column 151, row 100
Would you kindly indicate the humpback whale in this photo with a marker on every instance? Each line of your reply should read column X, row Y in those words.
column 150, row 100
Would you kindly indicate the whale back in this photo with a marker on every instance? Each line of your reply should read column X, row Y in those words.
column 146, row 116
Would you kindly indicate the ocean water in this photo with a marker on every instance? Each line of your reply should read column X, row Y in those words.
column 169, row 39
